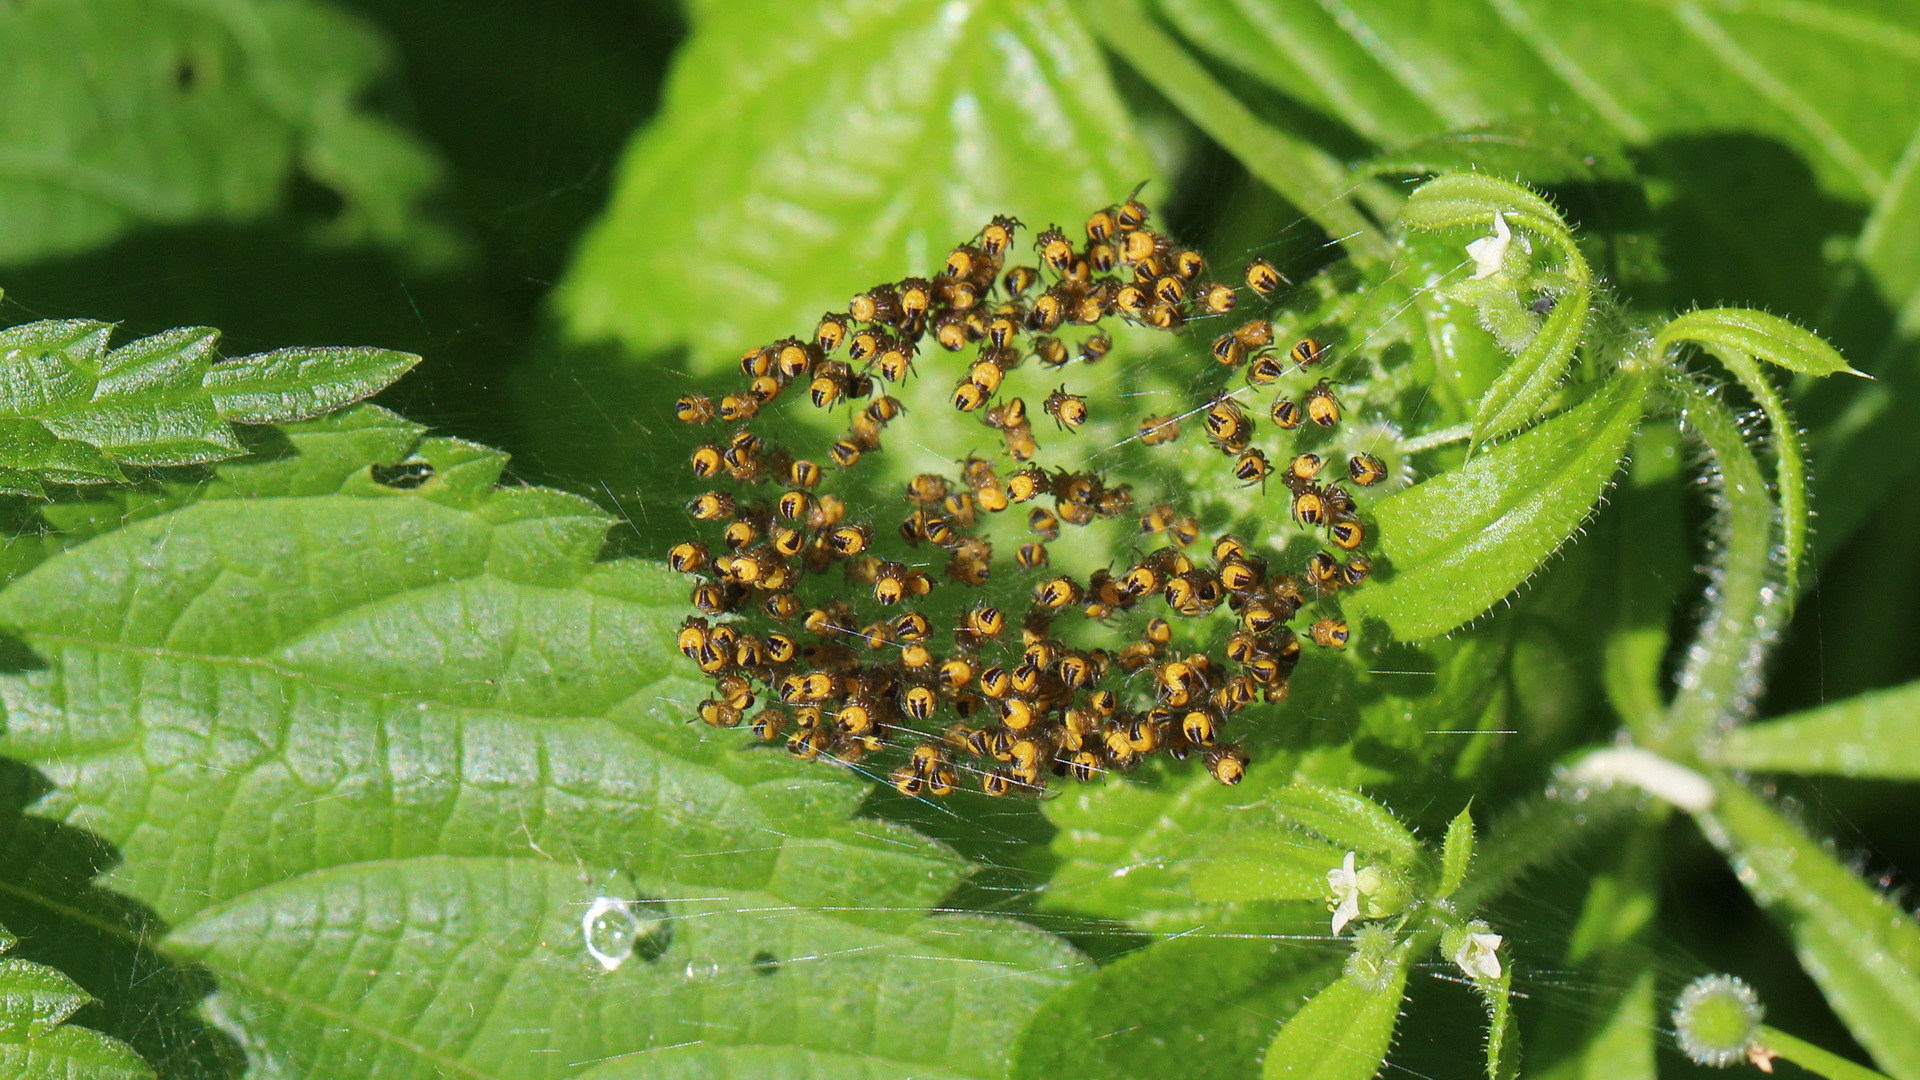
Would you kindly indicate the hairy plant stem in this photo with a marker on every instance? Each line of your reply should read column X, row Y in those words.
column 1746, row 602
column 1789, row 454
column 1442, row 437
column 1299, row 171
column 1536, row 832
column 1813, row 1059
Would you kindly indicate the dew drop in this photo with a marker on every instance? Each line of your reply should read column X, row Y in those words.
column 701, row 969
column 614, row 929
column 610, row 930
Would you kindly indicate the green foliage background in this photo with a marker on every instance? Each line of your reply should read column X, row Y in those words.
column 348, row 755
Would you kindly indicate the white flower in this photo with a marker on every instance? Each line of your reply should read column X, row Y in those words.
column 1348, row 885
column 1478, row 956
column 1489, row 253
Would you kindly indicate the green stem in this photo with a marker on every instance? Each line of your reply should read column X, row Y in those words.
column 1790, row 458
column 1813, row 1059
column 1442, row 437
column 1545, row 829
column 1302, row 173
column 1745, row 601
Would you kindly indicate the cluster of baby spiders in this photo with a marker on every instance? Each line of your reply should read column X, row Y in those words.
column 964, row 695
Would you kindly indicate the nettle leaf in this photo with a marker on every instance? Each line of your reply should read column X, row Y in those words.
column 196, row 112
column 1397, row 73
column 1539, row 147
column 74, row 411
column 1872, row 735
column 301, row 383
column 35, row 1041
column 373, row 749
column 1344, row 1033
column 1460, row 542
column 806, row 151
column 1859, row 946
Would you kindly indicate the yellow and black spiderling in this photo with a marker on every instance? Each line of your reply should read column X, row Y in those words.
column 866, row 638
column 693, row 409
column 1067, row 410
column 1262, row 277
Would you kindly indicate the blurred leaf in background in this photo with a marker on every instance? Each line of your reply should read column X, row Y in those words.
column 804, row 152
column 125, row 114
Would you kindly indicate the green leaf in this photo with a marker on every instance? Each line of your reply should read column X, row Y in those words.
column 301, row 383
column 1197, row 1007
column 1266, row 864
column 127, row 114
column 1345, row 1031
column 807, row 151
column 1859, row 946
column 1521, row 393
column 1396, row 73
column 1537, row 148
column 1456, row 852
column 1348, row 820
column 372, row 752
column 1460, row 542
column 1820, row 96
column 1460, row 200
column 1159, row 833
column 1298, row 171
column 73, row 411
column 1738, row 336
column 1871, row 736
column 1755, row 333
column 35, row 1002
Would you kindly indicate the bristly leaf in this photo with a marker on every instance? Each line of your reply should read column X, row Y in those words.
column 1347, row 819
column 1873, row 735
column 1756, row 333
column 1738, row 337
column 1542, row 354
column 373, row 750
column 1459, row 542
column 1861, row 948
column 806, row 151
column 1459, row 200
column 35, row 1040
column 74, row 411
column 1344, row 1033
column 1139, row 1015
column 1456, row 852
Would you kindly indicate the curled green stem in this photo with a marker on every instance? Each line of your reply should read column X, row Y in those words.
column 1746, row 600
